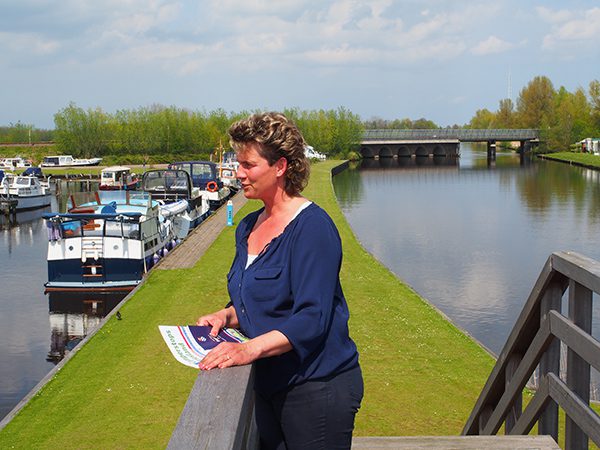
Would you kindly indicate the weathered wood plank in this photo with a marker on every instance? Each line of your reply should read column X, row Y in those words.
column 578, row 369
column 579, row 268
column 584, row 344
column 585, row 416
column 535, row 407
column 219, row 412
column 522, row 333
column 517, row 406
column 522, row 374
column 550, row 361
column 456, row 443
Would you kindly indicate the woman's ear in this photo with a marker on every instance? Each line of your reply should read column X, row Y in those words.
column 281, row 166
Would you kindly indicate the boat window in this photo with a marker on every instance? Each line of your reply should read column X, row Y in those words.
column 202, row 170
column 22, row 181
column 122, row 229
column 71, row 228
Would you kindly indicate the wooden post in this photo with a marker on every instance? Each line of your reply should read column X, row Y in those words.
column 578, row 369
column 517, row 407
column 550, row 361
column 484, row 417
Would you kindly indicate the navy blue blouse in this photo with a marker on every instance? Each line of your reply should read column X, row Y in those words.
column 293, row 286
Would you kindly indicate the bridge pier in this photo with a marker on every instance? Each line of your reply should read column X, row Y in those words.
column 491, row 150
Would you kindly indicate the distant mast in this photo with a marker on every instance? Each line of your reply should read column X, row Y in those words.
column 509, row 86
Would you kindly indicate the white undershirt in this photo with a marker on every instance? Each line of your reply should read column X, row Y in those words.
column 301, row 208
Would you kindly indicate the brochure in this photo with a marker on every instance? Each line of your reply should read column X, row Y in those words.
column 191, row 343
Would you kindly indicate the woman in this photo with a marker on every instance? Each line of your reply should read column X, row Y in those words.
column 286, row 296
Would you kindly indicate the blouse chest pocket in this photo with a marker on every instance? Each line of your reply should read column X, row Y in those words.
column 266, row 284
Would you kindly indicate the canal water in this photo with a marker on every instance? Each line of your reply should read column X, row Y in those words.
column 37, row 329
column 472, row 236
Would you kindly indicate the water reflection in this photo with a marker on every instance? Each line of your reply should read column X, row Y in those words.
column 24, row 322
column 73, row 316
column 470, row 237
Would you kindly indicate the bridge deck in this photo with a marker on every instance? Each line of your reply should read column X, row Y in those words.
column 461, row 134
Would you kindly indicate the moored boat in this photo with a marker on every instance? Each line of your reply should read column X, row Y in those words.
column 116, row 178
column 14, row 163
column 23, row 192
column 179, row 199
column 205, row 176
column 68, row 161
column 106, row 243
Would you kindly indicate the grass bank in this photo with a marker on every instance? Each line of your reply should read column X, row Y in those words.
column 579, row 159
column 124, row 389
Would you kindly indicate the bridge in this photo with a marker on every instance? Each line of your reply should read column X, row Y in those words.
column 440, row 141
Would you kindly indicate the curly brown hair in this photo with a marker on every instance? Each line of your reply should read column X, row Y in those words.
column 277, row 137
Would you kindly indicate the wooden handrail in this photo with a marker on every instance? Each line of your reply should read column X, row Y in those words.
column 219, row 412
column 535, row 342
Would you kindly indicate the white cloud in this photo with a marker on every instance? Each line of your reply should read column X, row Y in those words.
column 580, row 28
column 27, row 43
column 490, row 46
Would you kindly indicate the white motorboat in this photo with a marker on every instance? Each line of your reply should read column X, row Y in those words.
column 106, row 243
column 116, row 178
column 205, row 176
column 22, row 192
column 68, row 161
column 14, row 163
column 179, row 199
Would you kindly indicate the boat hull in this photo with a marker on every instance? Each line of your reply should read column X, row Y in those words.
column 30, row 202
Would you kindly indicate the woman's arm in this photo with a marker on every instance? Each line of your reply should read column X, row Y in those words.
column 226, row 317
column 228, row 354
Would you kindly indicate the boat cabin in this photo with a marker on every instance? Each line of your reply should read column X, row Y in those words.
column 169, row 185
column 57, row 161
column 117, row 178
column 14, row 163
column 204, row 174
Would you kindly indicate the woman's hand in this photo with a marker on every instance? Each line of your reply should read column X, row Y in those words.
column 224, row 318
column 228, row 354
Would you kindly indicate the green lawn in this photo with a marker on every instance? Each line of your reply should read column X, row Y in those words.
column 125, row 390
column 582, row 159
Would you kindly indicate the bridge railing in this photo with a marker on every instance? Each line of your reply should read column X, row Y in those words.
column 463, row 134
column 219, row 412
column 535, row 341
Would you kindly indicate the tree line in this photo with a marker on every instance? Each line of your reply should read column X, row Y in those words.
column 563, row 118
column 163, row 133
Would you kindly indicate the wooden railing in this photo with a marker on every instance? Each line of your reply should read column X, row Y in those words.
column 535, row 342
column 219, row 413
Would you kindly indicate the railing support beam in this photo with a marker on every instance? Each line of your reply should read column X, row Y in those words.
column 550, row 361
column 578, row 369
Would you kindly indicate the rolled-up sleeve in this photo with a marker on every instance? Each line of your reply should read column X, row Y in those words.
column 316, row 256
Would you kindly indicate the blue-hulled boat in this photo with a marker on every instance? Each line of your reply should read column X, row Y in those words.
column 107, row 242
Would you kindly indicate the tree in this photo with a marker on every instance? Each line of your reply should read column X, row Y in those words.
column 482, row 120
column 505, row 114
column 81, row 133
column 535, row 103
column 594, row 92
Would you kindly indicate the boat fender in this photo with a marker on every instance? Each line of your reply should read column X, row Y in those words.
column 212, row 186
column 156, row 258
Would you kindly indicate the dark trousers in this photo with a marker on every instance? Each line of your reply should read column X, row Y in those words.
column 318, row 414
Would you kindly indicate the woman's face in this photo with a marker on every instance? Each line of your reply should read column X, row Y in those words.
column 259, row 180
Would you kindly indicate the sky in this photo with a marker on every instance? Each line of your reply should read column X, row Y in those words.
column 439, row 60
